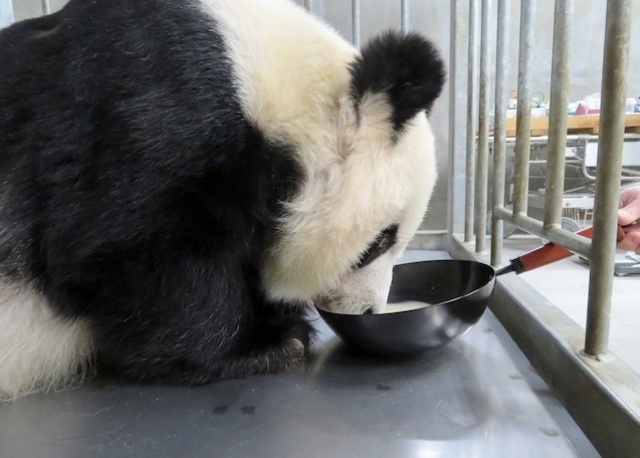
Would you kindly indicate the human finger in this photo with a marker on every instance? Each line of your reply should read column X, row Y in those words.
column 631, row 241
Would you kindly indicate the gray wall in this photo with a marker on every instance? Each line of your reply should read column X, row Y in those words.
column 432, row 18
column 24, row 9
column 6, row 13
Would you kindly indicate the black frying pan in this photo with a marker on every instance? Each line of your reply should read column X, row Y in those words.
column 457, row 293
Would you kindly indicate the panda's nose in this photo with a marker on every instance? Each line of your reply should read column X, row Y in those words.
column 369, row 311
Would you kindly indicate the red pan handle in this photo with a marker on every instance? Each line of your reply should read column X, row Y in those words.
column 546, row 254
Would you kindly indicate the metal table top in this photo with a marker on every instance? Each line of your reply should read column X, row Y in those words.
column 478, row 397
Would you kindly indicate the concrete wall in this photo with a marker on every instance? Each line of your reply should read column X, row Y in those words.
column 432, row 18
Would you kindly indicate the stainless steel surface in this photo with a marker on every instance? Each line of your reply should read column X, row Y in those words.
column 472, row 110
column 355, row 23
column 612, row 121
column 499, row 131
column 603, row 396
column 523, row 115
column 455, row 291
column 573, row 242
column 477, row 397
column 482, row 158
column 559, row 100
column 456, row 159
column 628, row 266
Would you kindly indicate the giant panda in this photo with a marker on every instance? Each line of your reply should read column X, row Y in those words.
column 180, row 177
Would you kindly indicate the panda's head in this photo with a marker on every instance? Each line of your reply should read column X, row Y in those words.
column 367, row 154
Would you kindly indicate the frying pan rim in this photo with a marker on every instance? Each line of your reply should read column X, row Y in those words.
column 491, row 278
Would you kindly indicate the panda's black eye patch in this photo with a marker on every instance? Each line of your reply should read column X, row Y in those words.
column 385, row 240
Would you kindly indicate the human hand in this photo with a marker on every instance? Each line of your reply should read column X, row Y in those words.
column 629, row 213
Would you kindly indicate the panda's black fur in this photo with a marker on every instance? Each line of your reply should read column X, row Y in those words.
column 383, row 67
column 137, row 195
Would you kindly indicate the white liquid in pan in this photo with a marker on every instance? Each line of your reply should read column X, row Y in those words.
column 404, row 306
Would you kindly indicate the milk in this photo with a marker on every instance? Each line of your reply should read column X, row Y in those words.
column 404, row 306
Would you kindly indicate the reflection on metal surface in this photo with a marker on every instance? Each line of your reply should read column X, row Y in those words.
column 475, row 397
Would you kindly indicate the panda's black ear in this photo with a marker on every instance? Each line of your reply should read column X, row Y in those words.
column 407, row 69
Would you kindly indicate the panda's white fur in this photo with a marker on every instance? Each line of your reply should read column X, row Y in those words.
column 38, row 350
column 362, row 168
column 358, row 180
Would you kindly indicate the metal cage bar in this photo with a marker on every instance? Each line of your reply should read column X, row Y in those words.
column 355, row 23
column 457, row 115
column 472, row 109
column 576, row 243
column 482, row 162
column 404, row 21
column 559, row 100
column 523, row 115
column 602, row 394
column 612, row 121
column 500, row 130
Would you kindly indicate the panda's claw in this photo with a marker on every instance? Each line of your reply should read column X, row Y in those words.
column 296, row 350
